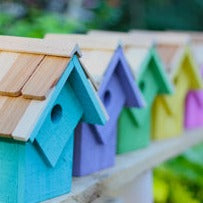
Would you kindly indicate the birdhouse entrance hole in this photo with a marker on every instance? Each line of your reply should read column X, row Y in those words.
column 56, row 113
column 107, row 98
column 142, row 86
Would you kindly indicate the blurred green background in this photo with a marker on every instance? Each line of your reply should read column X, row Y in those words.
column 179, row 180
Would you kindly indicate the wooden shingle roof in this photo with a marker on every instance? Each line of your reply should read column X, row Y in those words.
column 170, row 46
column 139, row 53
column 126, row 39
column 98, row 48
column 166, row 37
column 29, row 70
column 97, row 51
column 135, row 49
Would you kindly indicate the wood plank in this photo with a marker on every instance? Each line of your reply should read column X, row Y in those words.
column 45, row 77
column 167, row 37
column 7, row 59
column 87, row 42
column 38, row 46
column 127, row 168
column 96, row 62
column 18, row 74
column 126, row 39
column 2, row 101
column 11, row 111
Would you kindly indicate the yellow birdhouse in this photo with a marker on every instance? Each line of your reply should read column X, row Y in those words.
column 168, row 110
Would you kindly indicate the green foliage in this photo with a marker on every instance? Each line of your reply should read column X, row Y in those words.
column 106, row 17
column 180, row 179
column 38, row 23
column 5, row 20
column 173, row 14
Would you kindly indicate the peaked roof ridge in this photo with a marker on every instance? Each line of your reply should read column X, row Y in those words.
column 87, row 42
column 38, row 46
column 126, row 39
column 167, row 37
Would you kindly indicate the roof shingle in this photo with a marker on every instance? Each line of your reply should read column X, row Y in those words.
column 29, row 69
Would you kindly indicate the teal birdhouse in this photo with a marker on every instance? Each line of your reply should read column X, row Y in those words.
column 44, row 93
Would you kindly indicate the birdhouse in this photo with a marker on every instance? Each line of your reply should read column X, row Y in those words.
column 135, row 124
column 95, row 146
column 168, row 111
column 134, row 127
column 194, row 100
column 44, row 93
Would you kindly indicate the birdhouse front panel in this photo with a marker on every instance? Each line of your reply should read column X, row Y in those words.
column 185, row 77
column 135, row 124
column 43, row 96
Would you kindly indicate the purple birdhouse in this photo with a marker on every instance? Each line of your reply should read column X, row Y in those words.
column 194, row 108
column 95, row 146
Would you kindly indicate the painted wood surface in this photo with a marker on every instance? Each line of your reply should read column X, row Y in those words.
column 168, row 122
column 96, row 145
column 152, row 81
column 194, row 108
column 43, row 165
column 168, row 111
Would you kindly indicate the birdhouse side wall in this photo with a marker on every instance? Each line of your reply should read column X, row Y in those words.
column 12, row 164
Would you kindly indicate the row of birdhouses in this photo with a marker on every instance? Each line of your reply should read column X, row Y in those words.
column 69, row 103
